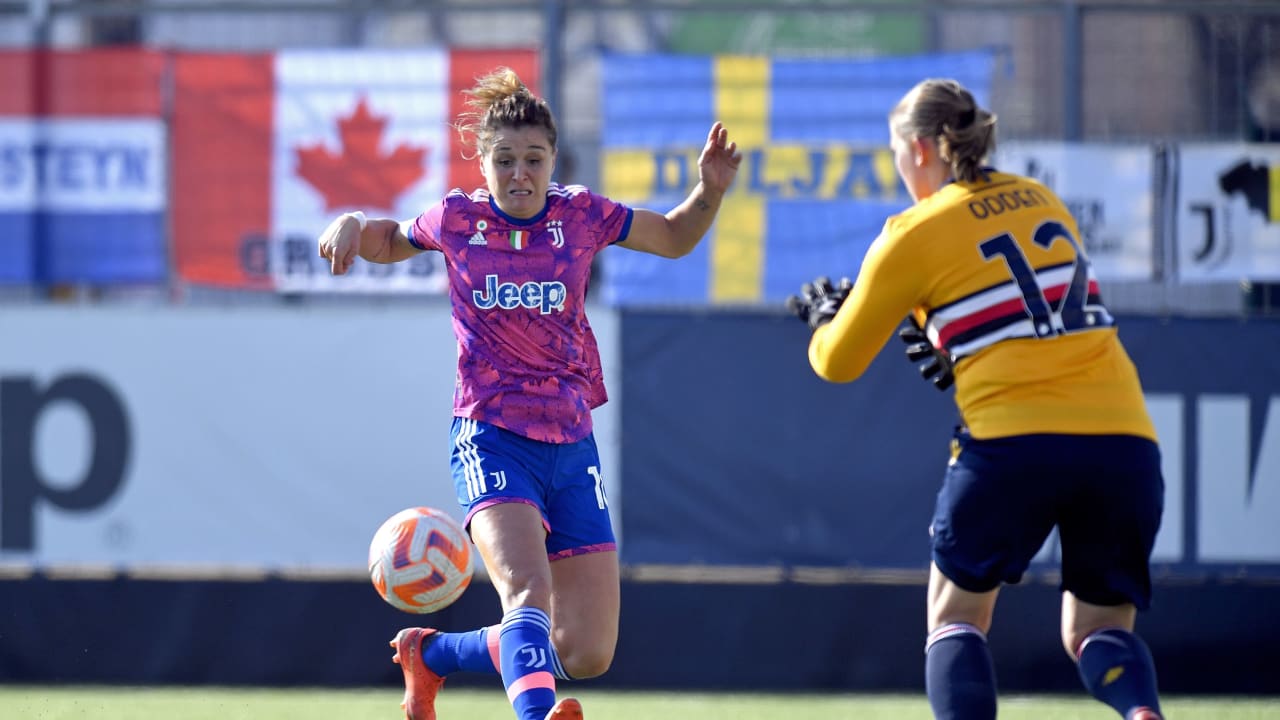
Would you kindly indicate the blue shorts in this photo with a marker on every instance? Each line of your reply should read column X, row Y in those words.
column 1002, row 497
column 493, row 465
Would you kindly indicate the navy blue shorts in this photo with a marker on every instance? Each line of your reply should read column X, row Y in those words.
column 493, row 465
column 1002, row 497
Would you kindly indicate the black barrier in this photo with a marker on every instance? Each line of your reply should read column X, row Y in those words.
column 1208, row 638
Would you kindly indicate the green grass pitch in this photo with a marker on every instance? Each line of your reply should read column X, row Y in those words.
column 129, row 703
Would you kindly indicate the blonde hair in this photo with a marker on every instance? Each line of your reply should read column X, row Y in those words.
column 500, row 99
column 944, row 111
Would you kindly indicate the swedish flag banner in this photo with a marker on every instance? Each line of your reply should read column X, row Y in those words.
column 817, row 179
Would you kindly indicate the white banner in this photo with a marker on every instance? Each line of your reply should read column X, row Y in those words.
column 1228, row 212
column 356, row 130
column 214, row 440
column 83, row 164
column 1109, row 191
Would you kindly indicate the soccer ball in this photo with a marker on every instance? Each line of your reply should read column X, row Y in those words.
column 420, row 560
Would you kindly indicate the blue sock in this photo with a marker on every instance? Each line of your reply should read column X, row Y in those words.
column 524, row 647
column 447, row 653
column 1116, row 668
column 958, row 674
column 475, row 651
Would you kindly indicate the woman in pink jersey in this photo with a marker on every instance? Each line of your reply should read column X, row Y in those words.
column 525, row 466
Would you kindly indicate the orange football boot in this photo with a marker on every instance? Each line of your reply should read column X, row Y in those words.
column 566, row 709
column 420, row 683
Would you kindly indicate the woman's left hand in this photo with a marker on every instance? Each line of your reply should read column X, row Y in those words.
column 719, row 161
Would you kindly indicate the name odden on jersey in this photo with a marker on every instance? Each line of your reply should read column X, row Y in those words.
column 543, row 296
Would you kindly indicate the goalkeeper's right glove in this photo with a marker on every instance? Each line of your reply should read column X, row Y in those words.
column 819, row 301
column 940, row 368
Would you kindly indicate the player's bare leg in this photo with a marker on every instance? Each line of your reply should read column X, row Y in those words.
column 585, row 603
column 512, row 540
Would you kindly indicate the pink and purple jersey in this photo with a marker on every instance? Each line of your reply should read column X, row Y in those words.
column 527, row 359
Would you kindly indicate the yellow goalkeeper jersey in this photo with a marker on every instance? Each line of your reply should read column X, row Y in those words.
column 995, row 272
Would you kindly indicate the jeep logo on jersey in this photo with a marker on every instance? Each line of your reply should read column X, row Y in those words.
column 545, row 296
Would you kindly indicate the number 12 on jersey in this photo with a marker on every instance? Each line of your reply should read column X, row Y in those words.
column 1073, row 310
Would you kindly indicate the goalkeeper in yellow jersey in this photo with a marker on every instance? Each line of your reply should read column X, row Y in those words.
column 1000, row 298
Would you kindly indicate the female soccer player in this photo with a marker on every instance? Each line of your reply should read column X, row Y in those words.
column 524, row 460
column 1055, row 428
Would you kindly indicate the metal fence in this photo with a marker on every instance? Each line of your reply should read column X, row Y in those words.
column 1069, row 69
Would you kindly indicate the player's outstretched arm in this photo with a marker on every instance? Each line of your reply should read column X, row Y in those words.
column 886, row 288
column 678, row 232
column 351, row 235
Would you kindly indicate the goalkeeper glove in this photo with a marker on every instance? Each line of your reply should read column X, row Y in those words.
column 939, row 369
column 819, row 301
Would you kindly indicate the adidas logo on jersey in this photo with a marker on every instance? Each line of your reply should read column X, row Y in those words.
column 477, row 239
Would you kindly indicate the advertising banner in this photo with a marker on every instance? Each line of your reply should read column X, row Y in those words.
column 1227, row 212
column 817, row 179
column 1108, row 188
column 83, row 177
column 269, row 440
column 269, row 148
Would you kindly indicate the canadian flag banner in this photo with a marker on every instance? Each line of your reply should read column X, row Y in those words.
column 268, row 149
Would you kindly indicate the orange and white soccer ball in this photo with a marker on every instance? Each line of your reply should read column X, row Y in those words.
column 420, row 560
